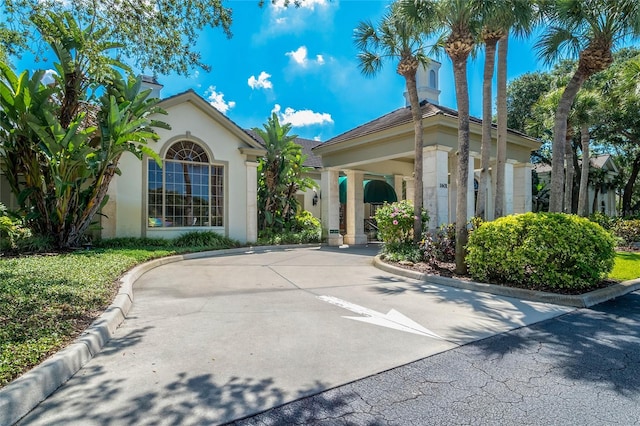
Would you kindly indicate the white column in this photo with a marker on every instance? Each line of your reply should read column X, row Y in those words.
column 252, row 201
column 330, row 199
column 508, row 187
column 471, row 192
column 491, row 188
column 435, row 184
column 410, row 184
column 397, row 185
column 355, row 208
column 522, row 197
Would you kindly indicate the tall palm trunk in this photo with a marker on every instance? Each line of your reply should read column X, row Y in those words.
column 489, row 65
column 568, row 183
column 462, row 98
column 584, row 174
column 416, row 115
column 501, row 154
column 559, row 135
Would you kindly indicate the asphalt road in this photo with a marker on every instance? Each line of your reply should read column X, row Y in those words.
column 581, row 368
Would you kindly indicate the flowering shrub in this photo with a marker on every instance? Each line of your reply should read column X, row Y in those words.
column 395, row 222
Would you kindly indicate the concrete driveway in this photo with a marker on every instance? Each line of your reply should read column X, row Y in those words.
column 216, row 339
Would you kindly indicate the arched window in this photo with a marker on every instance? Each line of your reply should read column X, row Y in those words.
column 188, row 191
column 432, row 79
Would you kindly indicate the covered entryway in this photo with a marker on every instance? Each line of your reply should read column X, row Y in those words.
column 384, row 149
column 375, row 193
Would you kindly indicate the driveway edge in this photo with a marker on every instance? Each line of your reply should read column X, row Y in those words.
column 577, row 301
column 22, row 395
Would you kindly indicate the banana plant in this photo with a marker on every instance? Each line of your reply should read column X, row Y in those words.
column 61, row 143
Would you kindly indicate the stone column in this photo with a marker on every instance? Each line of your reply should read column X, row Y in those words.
column 252, row 201
column 471, row 191
column 330, row 199
column 522, row 197
column 508, row 187
column 397, row 186
column 491, row 190
column 435, row 184
column 410, row 184
column 355, row 208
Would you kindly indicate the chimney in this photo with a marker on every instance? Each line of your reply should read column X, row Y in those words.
column 149, row 82
column 428, row 82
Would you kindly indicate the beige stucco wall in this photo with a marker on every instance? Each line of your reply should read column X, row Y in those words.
column 127, row 206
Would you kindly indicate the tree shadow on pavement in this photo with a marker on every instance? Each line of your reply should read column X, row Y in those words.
column 598, row 346
column 189, row 399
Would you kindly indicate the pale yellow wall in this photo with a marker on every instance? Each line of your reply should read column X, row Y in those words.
column 191, row 123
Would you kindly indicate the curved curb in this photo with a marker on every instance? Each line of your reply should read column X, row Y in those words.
column 577, row 301
column 22, row 395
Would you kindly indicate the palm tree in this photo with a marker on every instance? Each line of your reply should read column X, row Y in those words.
column 399, row 39
column 517, row 17
column 584, row 110
column 492, row 32
column 591, row 29
column 460, row 24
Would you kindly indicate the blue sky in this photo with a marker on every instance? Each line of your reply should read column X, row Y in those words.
column 301, row 63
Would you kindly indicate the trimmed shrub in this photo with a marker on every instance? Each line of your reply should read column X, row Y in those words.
column 207, row 239
column 628, row 230
column 538, row 250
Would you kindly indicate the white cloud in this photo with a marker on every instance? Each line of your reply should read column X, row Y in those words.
column 302, row 118
column 304, row 4
column 310, row 15
column 300, row 57
column 262, row 82
column 48, row 76
column 317, row 138
column 217, row 100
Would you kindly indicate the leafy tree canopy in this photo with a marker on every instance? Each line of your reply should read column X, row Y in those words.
column 159, row 36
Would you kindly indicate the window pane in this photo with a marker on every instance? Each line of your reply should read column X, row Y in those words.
column 217, row 196
column 186, row 191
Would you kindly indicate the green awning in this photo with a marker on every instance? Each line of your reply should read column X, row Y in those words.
column 375, row 191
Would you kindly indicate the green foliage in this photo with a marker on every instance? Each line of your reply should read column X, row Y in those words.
column 534, row 250
column 12, row 232
column 607, row 222
column 405, row 251
column 160, row 37
column 61, row 143
column 303, row 228
column 208, row 239
column 440, row 245
column 280, row 175
column 395, row 222
column 628, row 230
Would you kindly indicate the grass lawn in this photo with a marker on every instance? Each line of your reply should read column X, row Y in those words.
column 47, row 301
column 627, row 266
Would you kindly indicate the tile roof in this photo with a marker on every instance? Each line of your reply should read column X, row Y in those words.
column 399, row 117
column 307, row 145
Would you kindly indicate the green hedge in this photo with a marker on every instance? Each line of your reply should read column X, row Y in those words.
column 536, row 250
